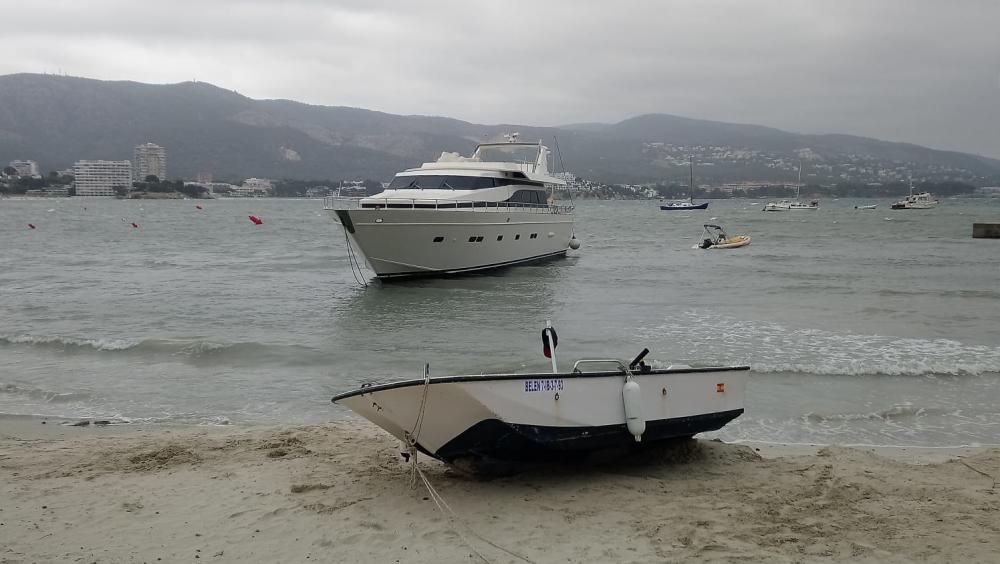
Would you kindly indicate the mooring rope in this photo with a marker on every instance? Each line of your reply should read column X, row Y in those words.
column 448, row 512
column 359, row 276
column 442, row 505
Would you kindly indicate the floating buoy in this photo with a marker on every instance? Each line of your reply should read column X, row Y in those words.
column 256, row 220
column 31, row 225
column 574, row 243
column 135, row 225
column 198, row 206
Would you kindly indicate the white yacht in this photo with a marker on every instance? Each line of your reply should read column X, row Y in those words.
column 462, row 214
column 918, row 201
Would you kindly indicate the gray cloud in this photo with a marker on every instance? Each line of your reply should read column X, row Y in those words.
column 918, row 71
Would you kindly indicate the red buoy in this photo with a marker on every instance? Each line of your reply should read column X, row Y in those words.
column 256, row 220
column 198, row 206
column 31, row 225
column 135, row 225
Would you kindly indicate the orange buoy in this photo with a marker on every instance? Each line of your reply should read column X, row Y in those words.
column 256, row 220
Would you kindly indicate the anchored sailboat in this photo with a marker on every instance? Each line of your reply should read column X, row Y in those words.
column 796, row 204
column 688, row 205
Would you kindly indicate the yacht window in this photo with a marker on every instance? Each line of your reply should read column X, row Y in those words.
column 438, row 239
column 516, row 237
column 534, row 235
column 472, row 239
column 527, row 197
column 499, row 237
column 479, row 239
column 517, row 182
column 441, row 182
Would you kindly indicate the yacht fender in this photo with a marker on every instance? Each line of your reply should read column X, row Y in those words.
column 632, row 398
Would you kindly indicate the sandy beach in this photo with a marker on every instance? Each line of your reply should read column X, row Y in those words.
column 342, row 493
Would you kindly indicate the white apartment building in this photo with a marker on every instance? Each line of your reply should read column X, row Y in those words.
column 100, row 178
column 253, row 188
column 25, row 168
column 149, row 159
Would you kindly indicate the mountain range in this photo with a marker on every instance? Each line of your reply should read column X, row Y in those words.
column 56, row 120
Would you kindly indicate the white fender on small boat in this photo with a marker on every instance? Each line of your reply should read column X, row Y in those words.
column 574, row 243
column 632, row 398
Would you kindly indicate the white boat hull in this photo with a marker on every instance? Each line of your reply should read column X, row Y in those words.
column 780, row 206
column 413, row 242
column 538, row 416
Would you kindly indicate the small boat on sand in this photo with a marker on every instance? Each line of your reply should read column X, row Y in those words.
column 472, row 420
column 716, row 238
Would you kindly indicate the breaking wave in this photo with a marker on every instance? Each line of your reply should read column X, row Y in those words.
column 41, row 395
column 189, row 350
column 896, row 413
column 69, row 342
column 772, row 348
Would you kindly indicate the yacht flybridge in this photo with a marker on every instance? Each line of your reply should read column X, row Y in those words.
column 462, row 214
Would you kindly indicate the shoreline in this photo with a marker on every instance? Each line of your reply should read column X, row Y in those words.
column 38, row 427
column 341, row 492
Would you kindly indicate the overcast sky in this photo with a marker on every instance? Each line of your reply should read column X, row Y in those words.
column 926, row 72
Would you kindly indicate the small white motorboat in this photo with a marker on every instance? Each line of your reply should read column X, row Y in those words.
column 480, row 419
column 868, row 207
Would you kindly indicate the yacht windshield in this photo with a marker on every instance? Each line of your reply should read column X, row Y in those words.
column 442, row 182
column 509, row 154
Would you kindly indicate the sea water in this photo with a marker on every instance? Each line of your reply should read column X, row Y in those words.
column 862, row 326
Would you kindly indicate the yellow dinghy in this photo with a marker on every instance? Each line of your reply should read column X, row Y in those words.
column 733, row 242
column 717, row 239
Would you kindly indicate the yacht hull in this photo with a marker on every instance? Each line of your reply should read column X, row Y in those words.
column 683, row 207
column 400, row 243
column 533, row 417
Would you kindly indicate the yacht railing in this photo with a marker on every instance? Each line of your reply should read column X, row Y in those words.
column 338, row 203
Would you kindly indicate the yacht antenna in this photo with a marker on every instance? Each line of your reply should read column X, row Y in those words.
column 562, row 165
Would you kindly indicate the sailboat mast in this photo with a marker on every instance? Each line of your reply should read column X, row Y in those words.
column 798, row 186
column 691, row 180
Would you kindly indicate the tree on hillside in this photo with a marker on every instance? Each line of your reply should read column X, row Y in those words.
column 152, row 179
column 10, row 171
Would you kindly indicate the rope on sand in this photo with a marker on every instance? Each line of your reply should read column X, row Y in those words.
column 442, row 505
column 981, row 472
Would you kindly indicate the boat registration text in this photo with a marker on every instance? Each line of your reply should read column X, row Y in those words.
column 544, row 385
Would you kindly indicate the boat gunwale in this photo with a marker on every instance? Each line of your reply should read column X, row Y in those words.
column 529, row 376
